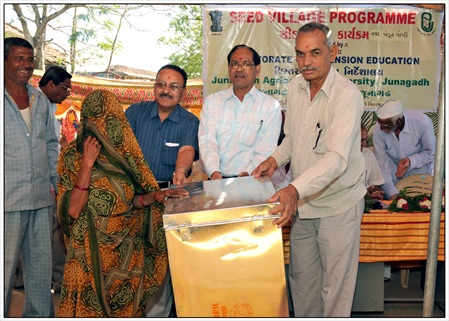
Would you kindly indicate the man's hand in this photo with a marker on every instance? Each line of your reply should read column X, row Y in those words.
column 216, row 175
column 288, row 199
column 402, row 167
column 375, row 192
column 378, row 195
column 243, row 174
column 267, row 167
column 179, row 177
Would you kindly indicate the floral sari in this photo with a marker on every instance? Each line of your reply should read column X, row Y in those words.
column 68, row 125
column 116, row 254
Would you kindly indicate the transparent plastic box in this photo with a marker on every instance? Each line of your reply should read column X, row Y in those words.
column 226, row 257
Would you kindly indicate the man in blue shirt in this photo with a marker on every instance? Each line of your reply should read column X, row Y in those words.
column 168, row 136
column 166, row 132
column 56, row 84
column 30, row 174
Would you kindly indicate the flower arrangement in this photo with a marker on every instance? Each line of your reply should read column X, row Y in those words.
column 424, row 203
column 404, row 203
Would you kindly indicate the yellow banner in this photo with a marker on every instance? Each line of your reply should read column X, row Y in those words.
column 389, row 52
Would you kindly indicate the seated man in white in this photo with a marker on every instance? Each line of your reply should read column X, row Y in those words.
column 404, row 144
column 373, row 180
column 373, row 175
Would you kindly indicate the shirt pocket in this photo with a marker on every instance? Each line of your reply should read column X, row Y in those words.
column 392, row 151
column 17, row 138
column 39, row 123
column 250, row 133
column 319, row 146
column 169, row 154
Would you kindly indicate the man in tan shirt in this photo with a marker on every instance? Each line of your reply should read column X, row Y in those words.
column 325, row 200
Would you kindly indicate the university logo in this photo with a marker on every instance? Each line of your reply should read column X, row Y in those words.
column 216, row 21
column 427, row 24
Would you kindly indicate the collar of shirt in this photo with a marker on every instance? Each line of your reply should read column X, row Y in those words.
column 326, row 88
column 174, row 115
column 406, row 128
column 33, row 95
column 229, row 94
column 53, row 106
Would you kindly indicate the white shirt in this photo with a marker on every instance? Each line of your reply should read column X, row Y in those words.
column 236, row 136
column 373, row 175
column 416, row 141
column 26, row 116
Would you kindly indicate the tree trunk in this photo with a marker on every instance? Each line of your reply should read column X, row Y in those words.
column 73, row 43
column 115, row 39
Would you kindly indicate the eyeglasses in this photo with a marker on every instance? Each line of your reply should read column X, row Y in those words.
column 172, row 86
column 245, row 65
column 68, row 89
column 385, row 126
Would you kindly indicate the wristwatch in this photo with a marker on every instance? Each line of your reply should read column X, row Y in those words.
column 180, row 168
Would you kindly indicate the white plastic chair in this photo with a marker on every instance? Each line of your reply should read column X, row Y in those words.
column 416, row 184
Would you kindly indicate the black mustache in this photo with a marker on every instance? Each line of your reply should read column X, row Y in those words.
column 163, row 95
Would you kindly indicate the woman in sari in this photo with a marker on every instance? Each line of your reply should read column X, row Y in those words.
column 110, row 207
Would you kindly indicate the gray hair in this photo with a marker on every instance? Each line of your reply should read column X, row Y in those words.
column 311, row 26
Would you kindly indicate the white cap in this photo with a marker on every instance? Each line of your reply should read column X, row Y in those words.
column 389, row 109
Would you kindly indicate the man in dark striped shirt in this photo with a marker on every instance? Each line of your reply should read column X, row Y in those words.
column 168, row 136
column 167, row 133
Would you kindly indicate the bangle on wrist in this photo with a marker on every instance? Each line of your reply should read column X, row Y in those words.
column 81, row 188
column 141, row 200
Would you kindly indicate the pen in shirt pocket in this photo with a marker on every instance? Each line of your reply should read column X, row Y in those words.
column 319, row 134
column 260, row 124
column 168, row 144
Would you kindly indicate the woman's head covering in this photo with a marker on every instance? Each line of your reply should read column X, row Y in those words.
column 102, row 116
column 121, row 161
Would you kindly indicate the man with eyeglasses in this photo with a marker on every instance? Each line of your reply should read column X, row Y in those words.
column 56, row 84
column 30, row 160
column 404, row 144
column 239, row 126
column 325, row 200
column 167, row 134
